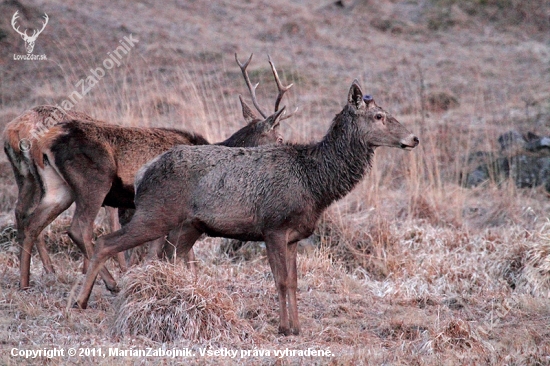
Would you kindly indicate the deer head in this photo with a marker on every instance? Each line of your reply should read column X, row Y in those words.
column 378, row 127
column 29, row 40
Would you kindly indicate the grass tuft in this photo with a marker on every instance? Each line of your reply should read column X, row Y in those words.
column 164, row 303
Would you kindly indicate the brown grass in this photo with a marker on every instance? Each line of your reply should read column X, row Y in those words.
column 166, row 304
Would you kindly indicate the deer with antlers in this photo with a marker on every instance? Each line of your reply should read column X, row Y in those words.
column 94, row 164
column 29, row 40
column 274, row 194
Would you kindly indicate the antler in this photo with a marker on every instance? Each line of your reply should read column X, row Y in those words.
column 282, row 89
column 251, row 88
column 35, row 33
column 13, row 19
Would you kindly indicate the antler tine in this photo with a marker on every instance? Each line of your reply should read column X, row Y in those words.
column 287, row 116
column 251, row 88
column 282, row 89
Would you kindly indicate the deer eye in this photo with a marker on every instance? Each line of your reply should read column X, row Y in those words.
column 378, row 116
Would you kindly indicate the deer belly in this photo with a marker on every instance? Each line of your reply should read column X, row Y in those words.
column 230, row 226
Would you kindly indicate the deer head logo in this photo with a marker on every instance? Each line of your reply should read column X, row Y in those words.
column 29, row 40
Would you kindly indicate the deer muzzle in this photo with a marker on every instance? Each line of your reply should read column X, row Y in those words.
column 409, row 143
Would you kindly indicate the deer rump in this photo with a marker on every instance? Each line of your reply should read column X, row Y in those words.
column 103, row 157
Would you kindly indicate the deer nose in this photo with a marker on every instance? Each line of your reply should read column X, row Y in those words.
column 416, row 141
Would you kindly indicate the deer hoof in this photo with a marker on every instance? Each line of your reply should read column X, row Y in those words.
column 113, row 288
column 78, row 306
column 284, row 331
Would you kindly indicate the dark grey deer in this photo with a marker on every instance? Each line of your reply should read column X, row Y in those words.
column 275, row 193
column 94, row 164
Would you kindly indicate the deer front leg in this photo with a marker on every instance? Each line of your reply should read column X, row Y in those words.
column 292, row 288
column 43, row 253
column 276, row 247
column 181, row 241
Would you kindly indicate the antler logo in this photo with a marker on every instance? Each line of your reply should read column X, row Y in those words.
column 29, row 40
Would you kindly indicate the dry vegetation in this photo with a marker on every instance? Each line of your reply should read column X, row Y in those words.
column 410, row 268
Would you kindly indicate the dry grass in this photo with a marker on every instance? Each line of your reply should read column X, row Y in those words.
column 163, row 303
column 409, row 268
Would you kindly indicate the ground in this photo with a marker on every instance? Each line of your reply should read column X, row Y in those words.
column 410, row 268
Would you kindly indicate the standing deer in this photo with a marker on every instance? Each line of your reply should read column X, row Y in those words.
column 29, row 40
column 274, row 193
column 94, row 164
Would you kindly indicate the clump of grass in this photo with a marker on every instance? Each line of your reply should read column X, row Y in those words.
column 164, row 303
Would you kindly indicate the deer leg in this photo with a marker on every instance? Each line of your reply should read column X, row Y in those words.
column 114, row 225
column 81, row 231
column 155, row 249
column 52, row 205
column 292, row 287
column 183, row 239
column 21, row 215
column 276, row 247
column 124, row 217
column 29, row 194
column 43, row 254
column 139, row 231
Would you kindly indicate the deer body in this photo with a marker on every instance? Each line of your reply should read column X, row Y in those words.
column 275, row 193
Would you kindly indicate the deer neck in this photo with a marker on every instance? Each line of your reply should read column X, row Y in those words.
column 342, row 159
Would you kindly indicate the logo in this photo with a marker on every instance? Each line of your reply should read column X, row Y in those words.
column 29, row 40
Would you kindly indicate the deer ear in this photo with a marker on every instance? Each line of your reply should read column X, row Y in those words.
column 248, row 115
column 355, row 95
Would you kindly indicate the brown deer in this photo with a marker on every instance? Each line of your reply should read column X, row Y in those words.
column 18, row 137
column 94, row 164
column 274, row 193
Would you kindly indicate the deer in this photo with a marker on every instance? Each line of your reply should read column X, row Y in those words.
column 74, row 153
column 18, row 136
column 274, row 194
column 29, row 40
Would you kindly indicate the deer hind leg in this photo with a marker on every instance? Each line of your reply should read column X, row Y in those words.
column 181, row 241
column 114, row 225
column 53, row 203
column 292, row 288
column 137, row 232
column 276, row 247
column 29, row 194
column 40, row 244
column 81, row 231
